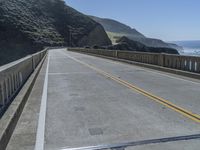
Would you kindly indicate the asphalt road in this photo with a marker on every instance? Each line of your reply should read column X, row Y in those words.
column 92, row 101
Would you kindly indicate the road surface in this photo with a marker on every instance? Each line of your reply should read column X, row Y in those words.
column 90, row 101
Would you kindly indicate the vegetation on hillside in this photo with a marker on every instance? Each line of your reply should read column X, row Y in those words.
column 116, row 30
column 27, row 26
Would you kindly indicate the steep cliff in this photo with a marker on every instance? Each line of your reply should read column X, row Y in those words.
column 27, row 26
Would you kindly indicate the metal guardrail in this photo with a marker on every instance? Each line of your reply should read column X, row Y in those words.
column 185, row 63
column 14, row 75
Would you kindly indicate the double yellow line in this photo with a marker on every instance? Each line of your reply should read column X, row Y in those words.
column 184, row 112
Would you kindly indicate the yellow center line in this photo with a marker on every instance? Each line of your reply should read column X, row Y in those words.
column 184, row 112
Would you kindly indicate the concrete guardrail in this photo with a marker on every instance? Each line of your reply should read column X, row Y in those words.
column 184, row 63
column 14, row 75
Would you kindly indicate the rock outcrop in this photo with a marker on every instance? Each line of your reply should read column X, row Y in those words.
column 125, row 43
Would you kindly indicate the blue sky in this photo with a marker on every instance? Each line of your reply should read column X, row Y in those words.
column 164, row 19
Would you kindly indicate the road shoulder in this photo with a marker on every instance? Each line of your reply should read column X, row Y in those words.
column 24, row 135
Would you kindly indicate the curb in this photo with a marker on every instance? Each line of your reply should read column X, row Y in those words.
column 9, row 120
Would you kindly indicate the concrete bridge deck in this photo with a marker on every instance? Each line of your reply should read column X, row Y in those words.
column 90, row 101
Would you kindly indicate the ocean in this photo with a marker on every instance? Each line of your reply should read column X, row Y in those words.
column 191, row 52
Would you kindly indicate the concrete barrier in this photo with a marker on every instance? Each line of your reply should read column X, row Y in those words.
column 185, row 63
column 14, row 75
column 178, row 62
column 140, row 57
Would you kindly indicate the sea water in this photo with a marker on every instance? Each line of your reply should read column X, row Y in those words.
column 191, row 51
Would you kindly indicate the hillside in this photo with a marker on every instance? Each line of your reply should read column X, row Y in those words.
column 125, row 43
column 113, row 26
column 27, row 26
column 116, row 30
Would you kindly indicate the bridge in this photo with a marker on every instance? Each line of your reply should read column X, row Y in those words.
column 83, row 99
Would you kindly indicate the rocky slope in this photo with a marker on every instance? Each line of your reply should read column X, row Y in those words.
column 116, row 30
column 176, row 46
column 126, row 44
column 114, row 26
column 27, row 26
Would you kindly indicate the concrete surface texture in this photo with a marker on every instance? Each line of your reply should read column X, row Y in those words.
column 14, row 75
column 24, row 135
column 92, row 101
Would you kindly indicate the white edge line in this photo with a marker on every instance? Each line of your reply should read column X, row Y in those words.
column 39, row 145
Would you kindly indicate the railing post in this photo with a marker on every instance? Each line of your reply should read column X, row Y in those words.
column 193, row 61
column 182, row 63
column 178, row 63
column 161, row 59
column 116, row 54
column 6, row 90
column 20, row 78
column 10, row 85
column 12, row 80
column 187, row 64
column 1, row 94
column 198, row 65
column 33, row 63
